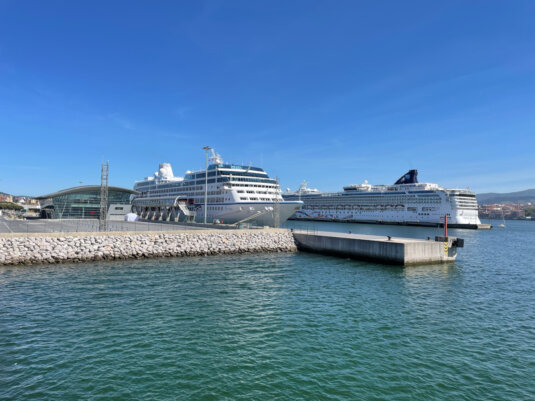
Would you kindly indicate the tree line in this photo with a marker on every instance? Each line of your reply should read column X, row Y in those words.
column 10, row 206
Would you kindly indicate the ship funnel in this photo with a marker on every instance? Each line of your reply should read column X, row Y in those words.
column 164, row 171
column 411, row 177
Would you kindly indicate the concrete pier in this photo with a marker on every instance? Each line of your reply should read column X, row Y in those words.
column 383, row 249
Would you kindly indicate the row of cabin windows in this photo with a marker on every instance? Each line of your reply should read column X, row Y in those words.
column 228, row 179
column 396, row 198
column 375, row 201
column 160, row 189
column 198, row 176
column 175, row 193
column 420, row 214
column 256, row 199
column 257, row 192
column 343, row 207
column 376, row 207
column 190, row 191
column 251, row 186
column 216, row 208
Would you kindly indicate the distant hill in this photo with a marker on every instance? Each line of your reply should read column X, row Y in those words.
column 16, row 196
column 512, row 197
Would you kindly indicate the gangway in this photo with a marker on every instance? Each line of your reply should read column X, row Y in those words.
column 163, row 208
column 190, row 216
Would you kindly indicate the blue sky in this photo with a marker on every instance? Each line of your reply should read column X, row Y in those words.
column 333, row 92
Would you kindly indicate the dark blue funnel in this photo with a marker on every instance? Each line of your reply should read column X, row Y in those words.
column 411, row 177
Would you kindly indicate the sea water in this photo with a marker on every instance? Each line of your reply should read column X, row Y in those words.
column 277, row 326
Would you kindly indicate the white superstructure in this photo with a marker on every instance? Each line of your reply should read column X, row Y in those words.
column 233, row 193
column 302, row 190
column 405, row 202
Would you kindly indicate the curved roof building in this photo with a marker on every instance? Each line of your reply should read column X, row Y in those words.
column 81, row 202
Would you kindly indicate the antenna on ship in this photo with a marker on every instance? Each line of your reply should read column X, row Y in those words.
column 207, row 149
column 102, row 218
column 276, row 207
column 215, row 158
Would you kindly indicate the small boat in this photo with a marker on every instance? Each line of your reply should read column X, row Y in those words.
column 502, row 225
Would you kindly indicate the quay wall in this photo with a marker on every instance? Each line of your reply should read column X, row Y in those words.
column 383, row 249
column 84, row 247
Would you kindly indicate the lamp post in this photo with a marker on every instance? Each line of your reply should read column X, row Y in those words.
column 207, row 149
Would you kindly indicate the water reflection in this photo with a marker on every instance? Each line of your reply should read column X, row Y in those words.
column 416, row 273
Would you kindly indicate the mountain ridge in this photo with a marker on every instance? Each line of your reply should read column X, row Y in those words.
column 527, row 195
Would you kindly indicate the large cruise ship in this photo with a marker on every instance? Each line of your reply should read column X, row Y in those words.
column 405, row 202
column 232, row 194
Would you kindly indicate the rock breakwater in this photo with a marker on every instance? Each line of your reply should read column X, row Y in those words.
column 46, row 248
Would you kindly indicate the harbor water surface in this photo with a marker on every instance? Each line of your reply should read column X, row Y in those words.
column 277, row 326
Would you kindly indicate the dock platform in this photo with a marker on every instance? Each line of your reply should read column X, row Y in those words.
column 383, row 249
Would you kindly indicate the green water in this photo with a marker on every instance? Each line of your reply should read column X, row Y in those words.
column 277, row 326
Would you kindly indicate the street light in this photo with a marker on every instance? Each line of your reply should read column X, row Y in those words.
column 207, row 149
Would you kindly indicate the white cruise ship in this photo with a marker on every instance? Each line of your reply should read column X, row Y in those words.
column 406, row 202
column 232, row 193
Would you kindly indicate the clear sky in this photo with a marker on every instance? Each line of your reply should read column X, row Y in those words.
column 334, row 92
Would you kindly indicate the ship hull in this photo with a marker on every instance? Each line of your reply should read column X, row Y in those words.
column 472, row 226
column 234, row 213
column 255, row 213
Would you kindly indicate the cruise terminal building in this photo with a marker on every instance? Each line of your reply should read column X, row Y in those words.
column 83, row 202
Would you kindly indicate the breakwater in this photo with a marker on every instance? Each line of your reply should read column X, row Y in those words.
column 83, row 247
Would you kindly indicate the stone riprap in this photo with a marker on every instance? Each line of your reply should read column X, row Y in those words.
column 47, row 248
